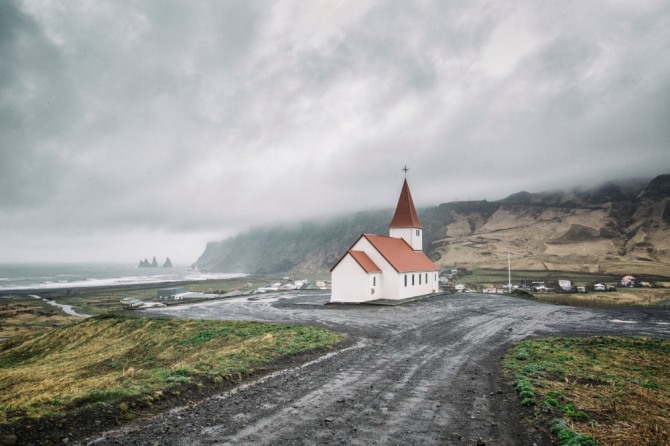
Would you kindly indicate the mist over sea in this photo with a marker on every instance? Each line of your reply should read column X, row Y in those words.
column 78, row 275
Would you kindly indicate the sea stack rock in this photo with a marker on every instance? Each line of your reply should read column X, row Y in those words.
column 168, row 263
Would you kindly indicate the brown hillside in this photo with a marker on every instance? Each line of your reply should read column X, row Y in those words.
column 612, row 229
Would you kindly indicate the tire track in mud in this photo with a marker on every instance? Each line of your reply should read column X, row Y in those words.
column 423, row 373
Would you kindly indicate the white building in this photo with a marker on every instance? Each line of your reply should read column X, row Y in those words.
column 565, row 284
column 381, row 267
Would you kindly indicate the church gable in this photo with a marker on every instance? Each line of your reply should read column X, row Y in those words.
column 364, row 261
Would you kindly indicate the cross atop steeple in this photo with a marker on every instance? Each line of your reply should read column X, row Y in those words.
column 405, row 169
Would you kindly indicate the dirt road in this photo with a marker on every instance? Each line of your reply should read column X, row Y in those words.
column 423, row 373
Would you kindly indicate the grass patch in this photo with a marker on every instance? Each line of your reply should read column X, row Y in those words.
column 23, row 316
column 111, row 357
column 601, row 390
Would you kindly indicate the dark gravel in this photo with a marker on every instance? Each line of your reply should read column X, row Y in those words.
column 423, row 373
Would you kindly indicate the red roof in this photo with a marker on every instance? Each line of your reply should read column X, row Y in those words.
column 366, row 262
column 400, row 255
column 405, row 214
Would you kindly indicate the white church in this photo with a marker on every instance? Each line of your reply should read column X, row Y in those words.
column 391, row 268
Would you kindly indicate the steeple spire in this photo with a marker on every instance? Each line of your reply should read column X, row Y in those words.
column 405, row 213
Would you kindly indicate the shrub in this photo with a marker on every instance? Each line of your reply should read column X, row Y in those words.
column 568, row 437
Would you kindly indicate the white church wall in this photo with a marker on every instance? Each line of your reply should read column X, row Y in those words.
column 351, row 283
column 375, row 285
column 417, row 289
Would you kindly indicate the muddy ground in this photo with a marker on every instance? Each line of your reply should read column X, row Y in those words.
column 423, row 373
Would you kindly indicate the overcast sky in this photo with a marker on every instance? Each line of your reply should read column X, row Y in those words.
column 130, row 129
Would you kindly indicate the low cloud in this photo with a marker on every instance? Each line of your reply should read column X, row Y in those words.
column 170, row 124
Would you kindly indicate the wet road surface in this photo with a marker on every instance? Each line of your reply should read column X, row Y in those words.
column 427, row 372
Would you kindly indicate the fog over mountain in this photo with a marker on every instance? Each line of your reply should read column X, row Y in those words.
column 618, row 227
column 134, row 127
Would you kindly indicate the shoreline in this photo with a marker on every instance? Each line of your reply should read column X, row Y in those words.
column 66, row 291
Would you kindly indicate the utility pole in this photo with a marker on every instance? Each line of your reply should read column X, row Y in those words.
column 509, row 273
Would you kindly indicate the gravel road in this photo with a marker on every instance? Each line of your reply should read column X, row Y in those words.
column 422, row 373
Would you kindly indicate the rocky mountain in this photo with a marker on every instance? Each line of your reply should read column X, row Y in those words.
column 619, row 227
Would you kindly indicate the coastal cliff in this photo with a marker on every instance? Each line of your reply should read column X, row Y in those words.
column 614, row 228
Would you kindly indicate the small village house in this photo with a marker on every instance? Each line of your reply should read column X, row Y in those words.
column 565, row 285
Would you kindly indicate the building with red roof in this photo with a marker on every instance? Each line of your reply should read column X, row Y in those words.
column 390, row 267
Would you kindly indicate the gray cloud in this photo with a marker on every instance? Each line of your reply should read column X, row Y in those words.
column 134, row 126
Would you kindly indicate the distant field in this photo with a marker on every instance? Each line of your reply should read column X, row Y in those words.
column 23, row 315
column 28, row 315
column 102, row 300
column 109, row 358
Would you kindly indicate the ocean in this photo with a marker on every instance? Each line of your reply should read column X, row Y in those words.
column 78, row 275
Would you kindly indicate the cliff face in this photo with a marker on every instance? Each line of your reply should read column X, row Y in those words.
column 619, row 227
column 616, row 228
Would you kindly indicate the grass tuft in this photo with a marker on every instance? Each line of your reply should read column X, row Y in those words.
column 568, row 437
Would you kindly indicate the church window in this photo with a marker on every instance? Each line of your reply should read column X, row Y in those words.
column 374, row 281
column 412, row 279
column 419, row 279
column 426, row 277
column 405, row 279
column 417, row 232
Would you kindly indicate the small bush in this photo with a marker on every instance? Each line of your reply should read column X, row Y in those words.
column 552, row 402
column 528, row 401
column 522, row 385
column 568, row 437
column 526, row 394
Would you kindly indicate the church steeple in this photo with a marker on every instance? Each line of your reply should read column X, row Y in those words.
column 405, row 213
column 405, row 223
